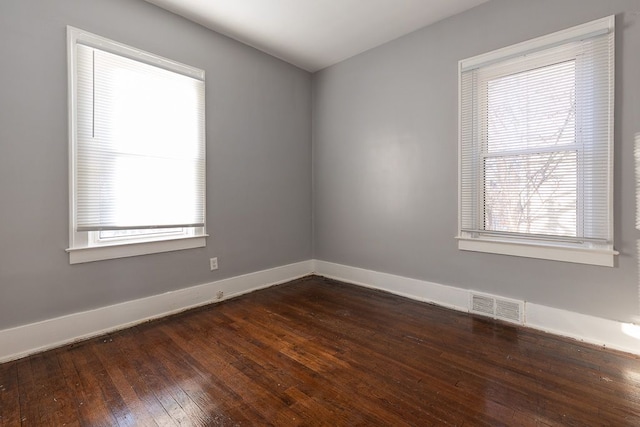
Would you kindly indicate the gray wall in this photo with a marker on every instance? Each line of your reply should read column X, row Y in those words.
column 258, row 159
column 385, row 159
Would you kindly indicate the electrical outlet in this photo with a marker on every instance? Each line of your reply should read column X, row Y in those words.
column 213, row 263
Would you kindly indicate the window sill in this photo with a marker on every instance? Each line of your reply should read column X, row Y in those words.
column 601, row 257
column 124, row 250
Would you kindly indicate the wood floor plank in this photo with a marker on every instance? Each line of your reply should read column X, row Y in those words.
column 315, row 366
column 445, row 378
column 186, row 382
column 159, row 394
column 397, row 375
column 228, row 367
column 28, row 398
column 9, row 395
column 351, row 375
column 55, row 400
column 123, row 377
column 87, row 383
column 320, row 352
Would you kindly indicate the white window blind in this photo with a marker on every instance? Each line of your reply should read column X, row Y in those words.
column 137, row 151
column 140, row 145
column 536, row 142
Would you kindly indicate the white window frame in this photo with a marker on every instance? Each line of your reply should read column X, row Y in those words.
column 585, row 253
column 88, row 246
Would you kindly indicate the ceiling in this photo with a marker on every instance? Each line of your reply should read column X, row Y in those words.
column 314, row 34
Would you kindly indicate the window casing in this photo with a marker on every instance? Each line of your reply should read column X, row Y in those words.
column 137, row 151
column 536, row 148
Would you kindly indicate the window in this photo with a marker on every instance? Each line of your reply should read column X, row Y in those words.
column 536, row 147
column 137, row 151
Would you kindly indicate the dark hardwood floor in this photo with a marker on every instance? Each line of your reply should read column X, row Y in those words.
column 318, row 352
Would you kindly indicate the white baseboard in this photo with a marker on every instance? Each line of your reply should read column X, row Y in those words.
column 446, row 296
column 593, row 330
column 35, row 337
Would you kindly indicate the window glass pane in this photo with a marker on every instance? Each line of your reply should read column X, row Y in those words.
column 120, row 234
column 533, row 194
column 532, row 109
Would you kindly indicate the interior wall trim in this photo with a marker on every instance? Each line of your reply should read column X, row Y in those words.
column 594, row 330
column 32, row 338
column 35, row 337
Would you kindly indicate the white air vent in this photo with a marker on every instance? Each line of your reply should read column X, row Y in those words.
column 482, row 304
column 497, row 307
